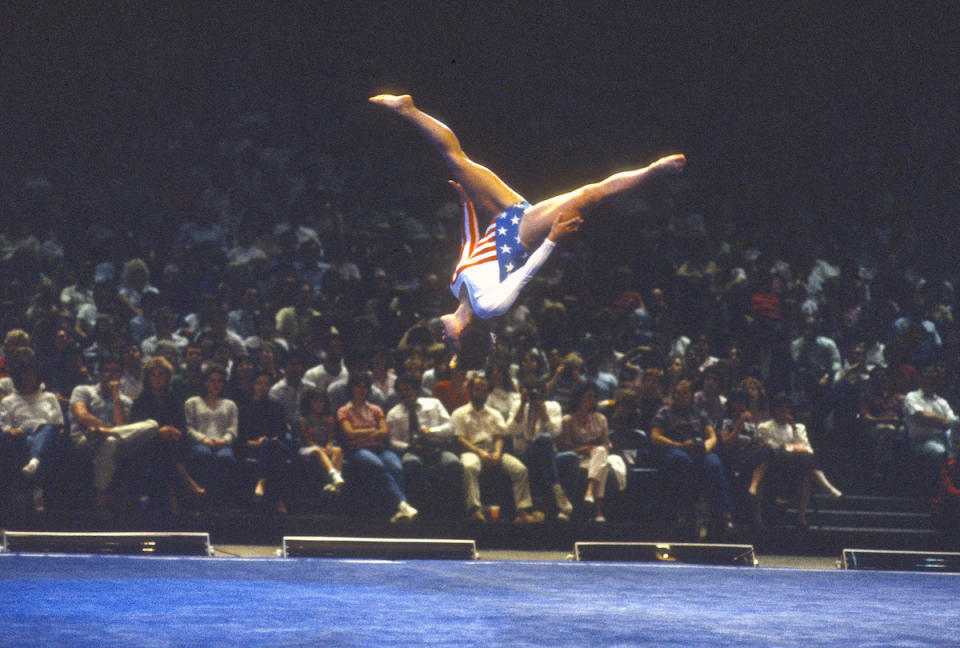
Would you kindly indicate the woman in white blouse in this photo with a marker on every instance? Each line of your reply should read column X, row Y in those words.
column 31, row 417
column 212, row 426
column 789, row 450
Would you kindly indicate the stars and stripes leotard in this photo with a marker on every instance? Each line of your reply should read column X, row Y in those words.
column 494, row 266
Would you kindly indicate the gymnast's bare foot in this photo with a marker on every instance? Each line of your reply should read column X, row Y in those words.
column 671, row 163
column 397, row 103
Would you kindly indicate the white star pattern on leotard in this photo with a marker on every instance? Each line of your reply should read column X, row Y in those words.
column 505, row 249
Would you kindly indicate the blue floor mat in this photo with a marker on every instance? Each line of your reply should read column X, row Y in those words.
column 137, row 601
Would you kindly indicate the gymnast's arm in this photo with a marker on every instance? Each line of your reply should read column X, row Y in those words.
column 498, row 300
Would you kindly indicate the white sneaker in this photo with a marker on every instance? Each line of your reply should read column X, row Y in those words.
column 336, row 482
column 599, row 519
column 405, row 513
column 408, row 510
column 563, row 517
column 588, row 499
column 30, row 469
column 563, row 504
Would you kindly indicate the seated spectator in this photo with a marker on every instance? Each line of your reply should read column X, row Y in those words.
column 453, row 391
column 674, row 372
column 790, row 455
column 297, row 317
column 70, row 373
column 216, row 325
column 605, row 381
column 532, row 367
column 143, row 325
column 366, row 440
column 131, row 381
column 480, row 430
column 757, row 402
column 816, row 360
column 711, row 399
column 212, row 428
column 436, row 367
column 264, row 435
column 584, row 433
column 504, row 396
column 624, row 411
column 316, row 427
column 243, row 319
column 239, row 387
column 650, row 397
column 288, row 390
column 566, row 378
column 332, row 368
column 930, row 425
column 382, row 374
column 166, row 323
column 534, row 425
column 136, row 283
column 31, row 422
column 739, row 449
column 171, row 446
column 687, row 441
column 102, row 426
column 421, row 433
column 881, row 412
column 268, row 360
column 14, row 339
column 188, row 381
column 357, row 362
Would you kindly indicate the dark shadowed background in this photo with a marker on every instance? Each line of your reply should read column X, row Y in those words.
column 840, row 110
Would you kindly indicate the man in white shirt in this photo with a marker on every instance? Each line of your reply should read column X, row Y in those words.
column 931, row 424
column 101, row 425
column 288, row 390
column 332, row 368
column 480, row 430
column 421, row 432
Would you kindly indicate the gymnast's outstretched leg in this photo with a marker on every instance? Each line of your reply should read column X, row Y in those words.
column 538, row 220
column 488, row 193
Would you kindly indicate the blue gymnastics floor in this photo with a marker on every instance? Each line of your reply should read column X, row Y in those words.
column 138, row 601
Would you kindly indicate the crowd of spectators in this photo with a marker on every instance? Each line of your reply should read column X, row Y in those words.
column 216, row 301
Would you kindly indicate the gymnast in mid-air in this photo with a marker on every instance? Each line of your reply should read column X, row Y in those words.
column 497, row 262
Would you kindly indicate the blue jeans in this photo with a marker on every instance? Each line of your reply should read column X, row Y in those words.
column 41, row 441
column 383, row 471
column 568, row 471
column 541, row 460
column 215, row 469
column 685, row 475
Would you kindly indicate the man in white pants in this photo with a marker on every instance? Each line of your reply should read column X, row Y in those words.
column 101, row 425
column 480, row 430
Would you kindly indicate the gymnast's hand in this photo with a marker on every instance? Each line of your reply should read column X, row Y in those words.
column 563, row 227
